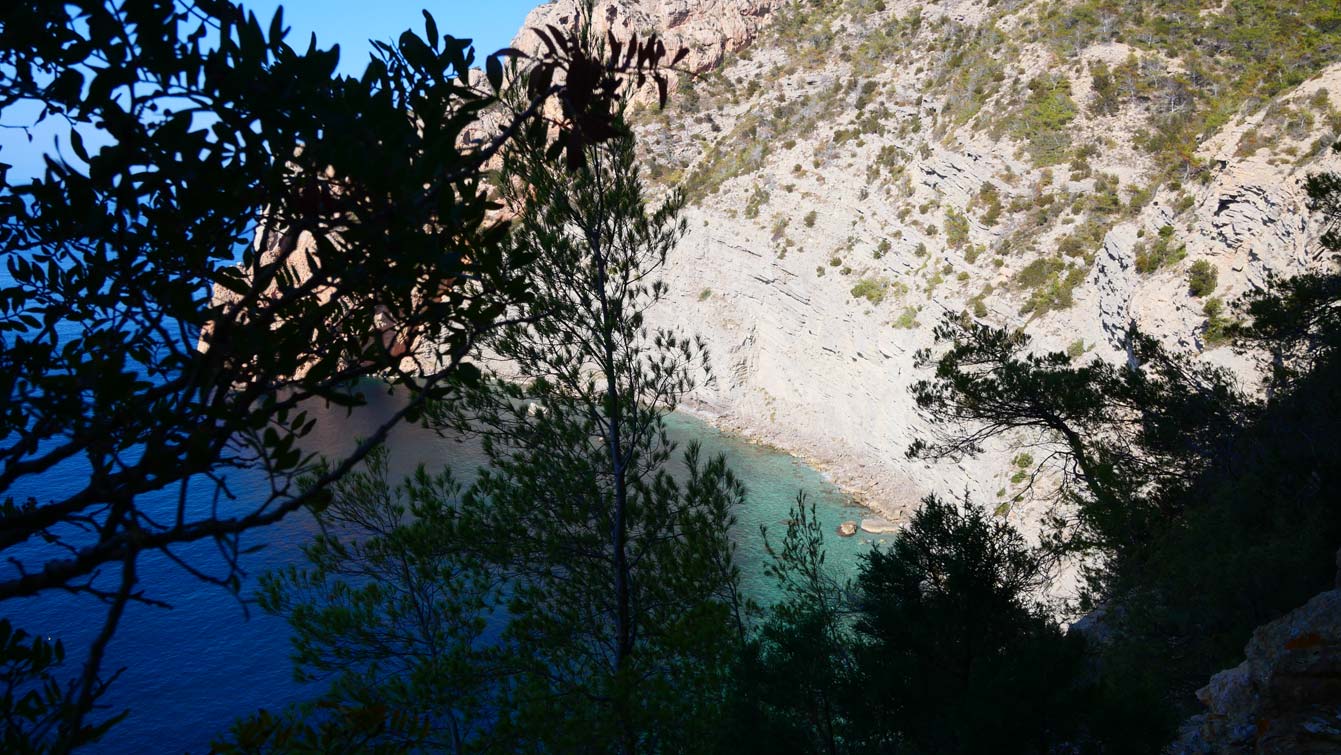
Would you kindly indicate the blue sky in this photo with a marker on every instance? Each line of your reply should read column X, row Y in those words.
column 349, row 23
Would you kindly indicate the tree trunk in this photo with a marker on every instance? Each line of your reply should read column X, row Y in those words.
column 624, row 637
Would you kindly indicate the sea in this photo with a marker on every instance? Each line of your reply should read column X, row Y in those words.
column 191, row 670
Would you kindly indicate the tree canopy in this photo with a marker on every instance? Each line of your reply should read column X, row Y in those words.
column 577, row 596
column 227, row 231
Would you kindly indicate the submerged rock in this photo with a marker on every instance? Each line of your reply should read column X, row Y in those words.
column 879, row 526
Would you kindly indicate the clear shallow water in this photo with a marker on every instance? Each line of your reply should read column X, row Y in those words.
column 192, row 670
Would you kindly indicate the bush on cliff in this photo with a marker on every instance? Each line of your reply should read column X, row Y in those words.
column 1205, row 512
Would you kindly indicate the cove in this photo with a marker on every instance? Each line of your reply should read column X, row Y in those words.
column 192, row 670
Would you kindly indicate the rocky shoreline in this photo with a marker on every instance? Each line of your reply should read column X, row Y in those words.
column 856, row 479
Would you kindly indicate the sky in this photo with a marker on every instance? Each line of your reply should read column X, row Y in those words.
column 350, row 23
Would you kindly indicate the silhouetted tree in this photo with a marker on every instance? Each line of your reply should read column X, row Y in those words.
column 793, row 685
column 625, row 597
column 611, row 587
column 940, row 645
column 136, row 352
column 1204, row 512
column 955, row 651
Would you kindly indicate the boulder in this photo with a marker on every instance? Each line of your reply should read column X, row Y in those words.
column 1285, row 697
column 847, row 529
column 878, row 526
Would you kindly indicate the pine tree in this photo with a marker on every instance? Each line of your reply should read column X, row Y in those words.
column 625, row 592
column 578, row 596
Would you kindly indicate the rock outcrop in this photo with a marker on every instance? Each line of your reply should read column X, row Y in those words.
column 710, row 29
column 1285, row 698
column 875, row 525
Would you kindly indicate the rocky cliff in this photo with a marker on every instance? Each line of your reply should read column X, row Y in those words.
column 712, row 30
column 1285, row 698
column 856, row 168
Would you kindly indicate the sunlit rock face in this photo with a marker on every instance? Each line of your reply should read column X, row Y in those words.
column 857, row 169
column 710, row 29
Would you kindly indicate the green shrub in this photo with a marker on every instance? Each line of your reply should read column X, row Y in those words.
column 1202, row 278
column 888, row 160
column 1042, row 121
column 979, row 307
column 1038, row 272
column 1162, row 253
column 1216, row 332
column 809, row 219
column 1105, row 200
column 990, row 200
column 1050, row 282
column 757, row 200
column 1138, row 199
column 1071, row 246
column 907, row 319
column 956, row 228
column 866, row 94
column 1106, row 97
column 871, row 289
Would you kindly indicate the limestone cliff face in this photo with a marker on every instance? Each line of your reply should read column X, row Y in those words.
column 856, row 168
column 710, row 29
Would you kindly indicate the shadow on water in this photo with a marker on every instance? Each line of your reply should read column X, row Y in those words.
column 191, row 670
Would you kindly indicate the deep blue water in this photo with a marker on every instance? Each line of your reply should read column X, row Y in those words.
column 192, row 670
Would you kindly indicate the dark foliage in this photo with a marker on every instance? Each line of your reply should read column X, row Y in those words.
column 1210, row 513
column 132, row 342
column 996, row 673
column 793, row 682
column 1127, row 438
column 940, row 648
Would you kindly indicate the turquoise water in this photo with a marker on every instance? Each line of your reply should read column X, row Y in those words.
column 772, row 480
column 190, row 671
